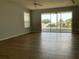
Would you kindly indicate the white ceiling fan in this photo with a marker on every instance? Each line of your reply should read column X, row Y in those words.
column 37, row 3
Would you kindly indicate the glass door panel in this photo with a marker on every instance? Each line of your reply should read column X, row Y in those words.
column 66, row 22
column 45, row 22
column 59, row 22
column 53, row 24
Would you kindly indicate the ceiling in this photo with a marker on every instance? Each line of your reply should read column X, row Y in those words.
column 46, row 3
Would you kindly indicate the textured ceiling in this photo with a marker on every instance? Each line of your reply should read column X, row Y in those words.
column 46, row 3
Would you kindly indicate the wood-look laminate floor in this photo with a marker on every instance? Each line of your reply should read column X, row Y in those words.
column 41, row 46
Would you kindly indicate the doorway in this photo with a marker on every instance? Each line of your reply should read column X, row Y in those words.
column 56, row 22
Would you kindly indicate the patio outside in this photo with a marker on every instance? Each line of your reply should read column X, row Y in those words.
column 62, row 24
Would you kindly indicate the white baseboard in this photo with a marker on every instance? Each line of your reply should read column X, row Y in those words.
column 13, row 36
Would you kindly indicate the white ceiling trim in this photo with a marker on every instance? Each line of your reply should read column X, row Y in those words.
column 47, row 3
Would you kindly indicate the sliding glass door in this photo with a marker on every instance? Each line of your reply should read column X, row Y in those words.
column 56, row 22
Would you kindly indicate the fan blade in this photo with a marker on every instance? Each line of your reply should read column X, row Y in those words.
column 73, row 1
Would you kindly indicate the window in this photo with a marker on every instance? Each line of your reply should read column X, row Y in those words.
column 26, row 20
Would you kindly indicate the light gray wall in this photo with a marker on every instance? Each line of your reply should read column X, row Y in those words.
column 75, row 20
column 36, row 21
column 36, row 17
column 12, row 19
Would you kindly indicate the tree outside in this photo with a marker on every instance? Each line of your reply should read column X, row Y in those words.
column 68, row 23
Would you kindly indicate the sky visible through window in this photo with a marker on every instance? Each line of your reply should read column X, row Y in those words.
column 53, row 16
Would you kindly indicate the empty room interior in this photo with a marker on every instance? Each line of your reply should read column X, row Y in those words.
column 39, row 29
